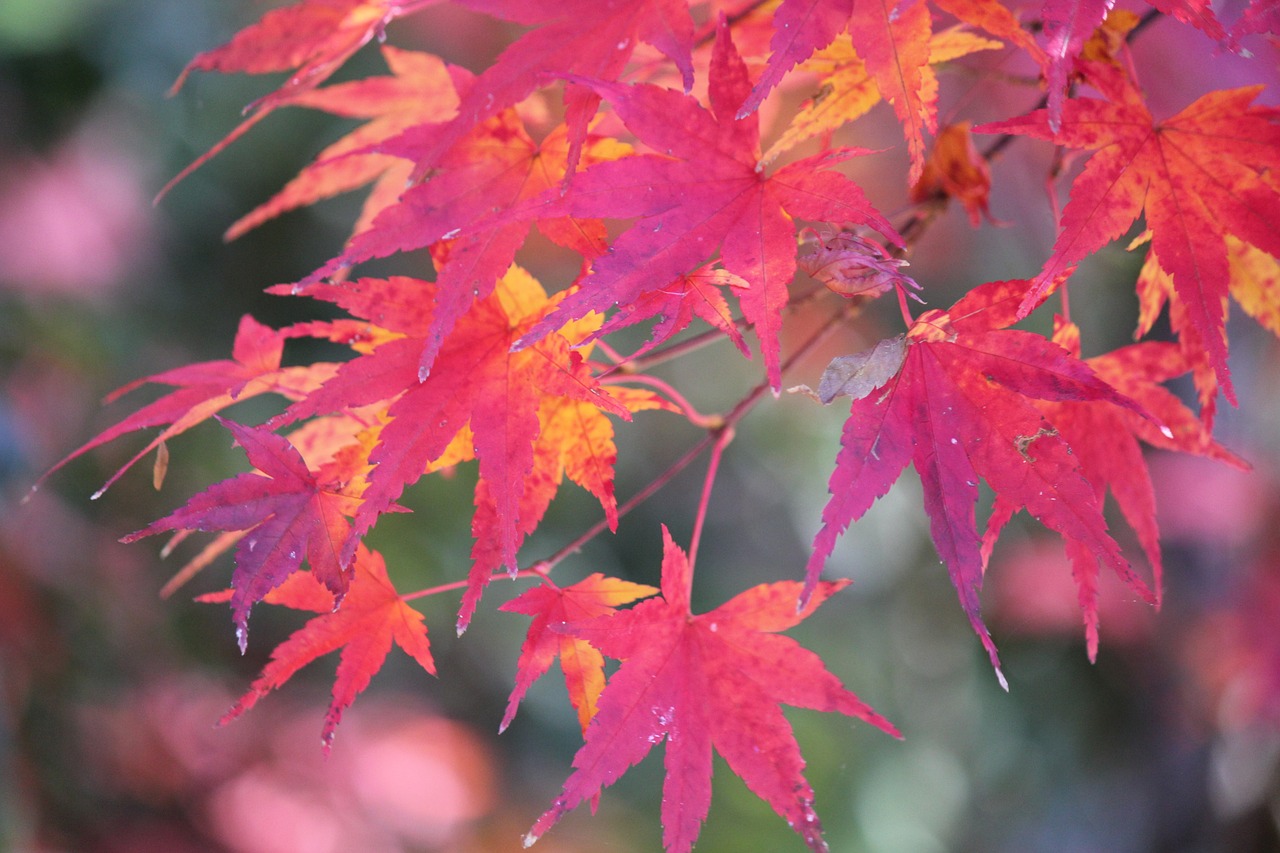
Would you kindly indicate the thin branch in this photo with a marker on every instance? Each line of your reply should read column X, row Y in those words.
column 727, row 423
column 546, row 565
column 695, row 417
column 723, row 437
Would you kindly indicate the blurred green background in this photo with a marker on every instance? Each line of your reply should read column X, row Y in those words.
column 108, row 695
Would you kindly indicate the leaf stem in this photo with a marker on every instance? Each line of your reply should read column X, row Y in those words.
column 534, row 571
column 610, row 353
column 636, row 364
column 695, row 417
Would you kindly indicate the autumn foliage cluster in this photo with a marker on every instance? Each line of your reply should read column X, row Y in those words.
column 629, row 133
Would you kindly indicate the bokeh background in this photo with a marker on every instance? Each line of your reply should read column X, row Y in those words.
column 108, row 695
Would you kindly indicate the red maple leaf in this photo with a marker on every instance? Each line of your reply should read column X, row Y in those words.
column 369, row 619
column 892, row 35
column 499, row 167
column 698, row 294
column 1104, row 438
column 588, row 38
column 1199, row 14
column 961, row 408
column 714, row 680
column 583, row 665
column 311, row 38
column 704, row 191
column 479, row 383
column 573, row 437
column 288, row 515
column 1255, row 286
column 1069, row 24
column 1195, row 176
column 206, row 388
column 1262, row 16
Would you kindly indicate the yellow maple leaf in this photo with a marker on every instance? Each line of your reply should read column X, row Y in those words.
column 848, row 91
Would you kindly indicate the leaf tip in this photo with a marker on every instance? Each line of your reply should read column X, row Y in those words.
column 233, row 714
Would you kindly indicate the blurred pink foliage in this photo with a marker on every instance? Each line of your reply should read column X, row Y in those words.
column 404, row 778
column 1231, row 650
column 1206, row 503
column 1033, row 594
column 77, row 221
column 1233, row 654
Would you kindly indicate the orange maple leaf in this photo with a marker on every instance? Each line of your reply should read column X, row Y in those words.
column 583, row 666
column 419, row 90
column 530, row 416
column 372, row 616
column 956, row 170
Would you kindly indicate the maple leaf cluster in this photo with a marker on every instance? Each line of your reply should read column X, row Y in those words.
column 628, row 132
